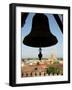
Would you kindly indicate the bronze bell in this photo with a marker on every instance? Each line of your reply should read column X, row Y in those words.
column 40, row 35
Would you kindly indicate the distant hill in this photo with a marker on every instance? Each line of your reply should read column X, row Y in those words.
column 38, row 59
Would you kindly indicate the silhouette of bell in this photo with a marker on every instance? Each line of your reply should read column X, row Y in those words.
column 40, row 35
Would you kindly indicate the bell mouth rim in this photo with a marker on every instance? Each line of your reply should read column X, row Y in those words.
column 40, row 45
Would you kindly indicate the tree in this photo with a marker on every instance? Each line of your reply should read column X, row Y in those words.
column 54, row 70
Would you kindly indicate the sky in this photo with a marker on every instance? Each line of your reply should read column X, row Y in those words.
column 31, row 52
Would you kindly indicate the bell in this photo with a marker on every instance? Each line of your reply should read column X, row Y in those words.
column 40, row 35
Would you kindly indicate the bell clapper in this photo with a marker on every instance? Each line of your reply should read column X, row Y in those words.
column 40, row 53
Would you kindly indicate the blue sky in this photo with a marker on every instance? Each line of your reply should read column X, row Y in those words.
column 31, row 52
